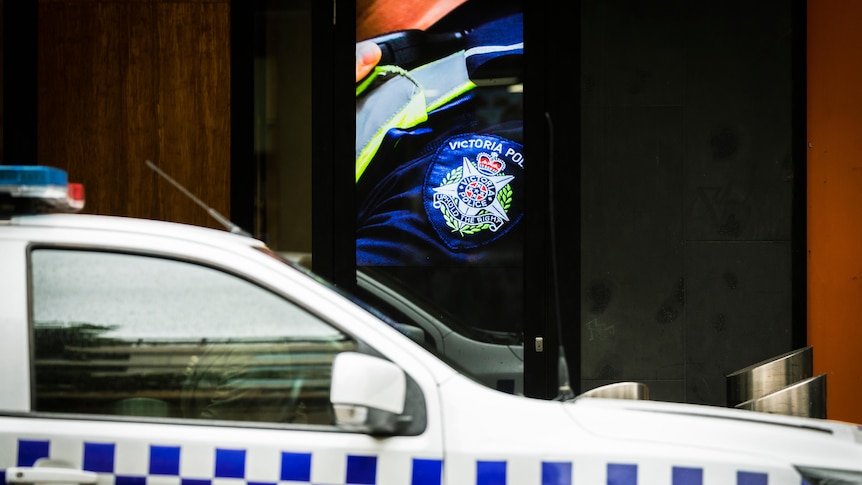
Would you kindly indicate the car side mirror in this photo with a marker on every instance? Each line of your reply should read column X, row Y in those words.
column 368, row 393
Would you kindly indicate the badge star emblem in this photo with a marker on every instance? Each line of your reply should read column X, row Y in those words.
column 476, row 191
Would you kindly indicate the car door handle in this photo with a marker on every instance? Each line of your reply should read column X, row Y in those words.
column 45, row 475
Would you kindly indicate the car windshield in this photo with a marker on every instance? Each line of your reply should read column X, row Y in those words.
column 408, row 316
column 379, row 285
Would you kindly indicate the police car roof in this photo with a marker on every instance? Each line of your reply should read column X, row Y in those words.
column 134, row 226
column 41, row 196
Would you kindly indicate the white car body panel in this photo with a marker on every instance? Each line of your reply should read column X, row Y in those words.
column 473, row 434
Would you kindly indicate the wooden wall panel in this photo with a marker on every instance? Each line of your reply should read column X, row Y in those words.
column 121, row 82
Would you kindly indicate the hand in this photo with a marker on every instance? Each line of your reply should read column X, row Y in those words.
column 367, row 56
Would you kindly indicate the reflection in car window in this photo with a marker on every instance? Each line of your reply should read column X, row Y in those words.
column 137, row 335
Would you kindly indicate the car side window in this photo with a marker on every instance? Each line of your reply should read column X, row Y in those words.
column 125, row 334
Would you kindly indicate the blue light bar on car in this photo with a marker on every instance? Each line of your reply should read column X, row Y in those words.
column 33, row 181
column 29, row 189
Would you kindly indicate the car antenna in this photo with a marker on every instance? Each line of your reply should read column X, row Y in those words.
column 565, row 391
column 230, row 226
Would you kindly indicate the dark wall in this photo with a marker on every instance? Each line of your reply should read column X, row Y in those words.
column 687, row 192
column 18, row 82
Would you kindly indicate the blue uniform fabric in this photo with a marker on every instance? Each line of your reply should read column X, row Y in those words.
column 398, row 221
column 450, row 191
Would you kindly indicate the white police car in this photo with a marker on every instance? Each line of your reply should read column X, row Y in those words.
column 142, row 352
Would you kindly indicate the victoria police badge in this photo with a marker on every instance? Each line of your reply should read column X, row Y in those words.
column 473, row 190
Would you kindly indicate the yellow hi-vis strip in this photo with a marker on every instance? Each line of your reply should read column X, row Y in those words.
column 415, row 110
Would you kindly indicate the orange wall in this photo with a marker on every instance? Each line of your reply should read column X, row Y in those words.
column 835, row 201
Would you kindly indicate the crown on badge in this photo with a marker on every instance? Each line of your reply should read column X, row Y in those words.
column 490, row 164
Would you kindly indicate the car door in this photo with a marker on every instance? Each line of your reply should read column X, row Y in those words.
column 163, row 369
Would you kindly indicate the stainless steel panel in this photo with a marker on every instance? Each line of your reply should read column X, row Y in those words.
column 769, row 376
column 804, row 398
column 620, row 390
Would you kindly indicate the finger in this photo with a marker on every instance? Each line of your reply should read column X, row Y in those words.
column 367, row 56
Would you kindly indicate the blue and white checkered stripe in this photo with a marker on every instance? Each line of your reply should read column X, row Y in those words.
column 563, row 473
column 165, row 465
